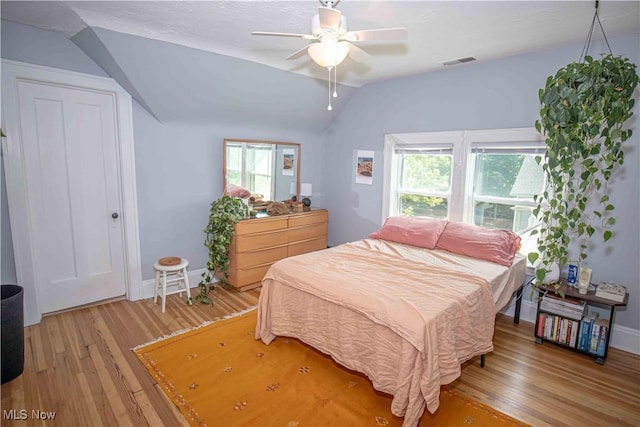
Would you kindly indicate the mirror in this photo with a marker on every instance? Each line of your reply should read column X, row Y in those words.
column 267, row 168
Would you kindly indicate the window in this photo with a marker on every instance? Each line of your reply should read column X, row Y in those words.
column 504, row 183
column 424, row 181
column 487, row 178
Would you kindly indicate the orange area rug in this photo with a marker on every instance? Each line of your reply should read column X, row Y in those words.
column 220, row 375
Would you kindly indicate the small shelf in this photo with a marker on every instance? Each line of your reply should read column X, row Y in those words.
column 565, row 326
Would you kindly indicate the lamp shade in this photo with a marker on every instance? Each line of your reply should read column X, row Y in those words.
column 305, row 190
column 329, row 52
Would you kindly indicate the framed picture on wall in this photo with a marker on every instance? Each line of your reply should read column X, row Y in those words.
column 364, row 167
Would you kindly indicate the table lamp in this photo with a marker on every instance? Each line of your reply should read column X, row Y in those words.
column 305, row 193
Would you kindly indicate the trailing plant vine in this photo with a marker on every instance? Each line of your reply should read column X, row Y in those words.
column 584, row 108
column 223, row 215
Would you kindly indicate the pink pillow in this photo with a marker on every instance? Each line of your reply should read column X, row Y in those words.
column 499, row 246
column 237, row 191
column 420, row 232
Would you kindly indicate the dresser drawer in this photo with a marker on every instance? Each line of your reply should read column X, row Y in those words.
column 261, row 240
column 260, row 225
column 308, row 232
column 254, row 258
column 246, row 276
column 308, row 218
column 307, row 246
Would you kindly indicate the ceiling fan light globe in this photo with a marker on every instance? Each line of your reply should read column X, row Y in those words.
column 329, row 52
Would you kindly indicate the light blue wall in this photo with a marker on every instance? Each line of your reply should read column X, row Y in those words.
column 178, row 162
column 179, row 173
column 495, row 94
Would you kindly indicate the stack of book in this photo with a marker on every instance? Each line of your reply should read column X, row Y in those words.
column 558, row 329
column 559, row 319
column 566, row 307
column 611, row 292
column 593, row 334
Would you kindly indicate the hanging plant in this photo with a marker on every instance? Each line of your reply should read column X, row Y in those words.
column 223, row 215
column 584, row 108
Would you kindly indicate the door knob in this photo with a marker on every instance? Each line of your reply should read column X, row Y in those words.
column 114, row 215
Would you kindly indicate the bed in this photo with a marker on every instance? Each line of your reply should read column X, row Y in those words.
column 406, row 316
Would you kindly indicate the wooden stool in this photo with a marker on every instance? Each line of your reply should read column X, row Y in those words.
column 171, row 271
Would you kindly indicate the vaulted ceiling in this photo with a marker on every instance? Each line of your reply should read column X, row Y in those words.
column 438, row 30
column 205, row 47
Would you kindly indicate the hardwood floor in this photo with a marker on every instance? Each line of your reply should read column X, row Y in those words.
column 79, row 364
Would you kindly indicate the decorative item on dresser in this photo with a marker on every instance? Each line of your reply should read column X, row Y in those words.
column 306, row 192
column 259, row 242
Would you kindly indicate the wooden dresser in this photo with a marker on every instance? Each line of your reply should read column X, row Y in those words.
column 259, row 242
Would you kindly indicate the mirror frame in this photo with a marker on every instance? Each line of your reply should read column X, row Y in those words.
column 260, row 141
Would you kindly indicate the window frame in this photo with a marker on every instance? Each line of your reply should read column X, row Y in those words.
column 462, row 168
column 432, row 149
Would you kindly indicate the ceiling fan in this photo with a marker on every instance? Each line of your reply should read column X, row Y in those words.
column 332, row 42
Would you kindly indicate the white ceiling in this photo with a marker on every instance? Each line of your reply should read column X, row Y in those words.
column 438, row 30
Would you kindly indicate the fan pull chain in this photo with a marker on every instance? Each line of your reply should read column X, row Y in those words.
column 329, row 107
column 335, row 82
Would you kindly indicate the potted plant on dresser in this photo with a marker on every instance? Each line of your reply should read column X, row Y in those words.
column 223, row 215
column 584, row 109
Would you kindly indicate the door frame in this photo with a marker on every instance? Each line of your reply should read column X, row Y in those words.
column 17, row 194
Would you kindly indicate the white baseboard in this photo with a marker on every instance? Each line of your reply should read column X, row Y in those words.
column 625, row 339
column 622, row 338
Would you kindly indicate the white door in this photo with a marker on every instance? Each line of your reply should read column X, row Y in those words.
column 70, row 157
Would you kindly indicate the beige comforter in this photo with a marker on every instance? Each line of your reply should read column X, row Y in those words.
column 407, row 325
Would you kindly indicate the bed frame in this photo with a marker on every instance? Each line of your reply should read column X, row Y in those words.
column 516, row 314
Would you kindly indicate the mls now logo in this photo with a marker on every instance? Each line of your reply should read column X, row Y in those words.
column 23, row 414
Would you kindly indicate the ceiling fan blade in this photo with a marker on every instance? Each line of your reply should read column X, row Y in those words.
column 381, row 34
column 267, row 33
column 329, row 18
column 356, row 53
column 298, row 53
